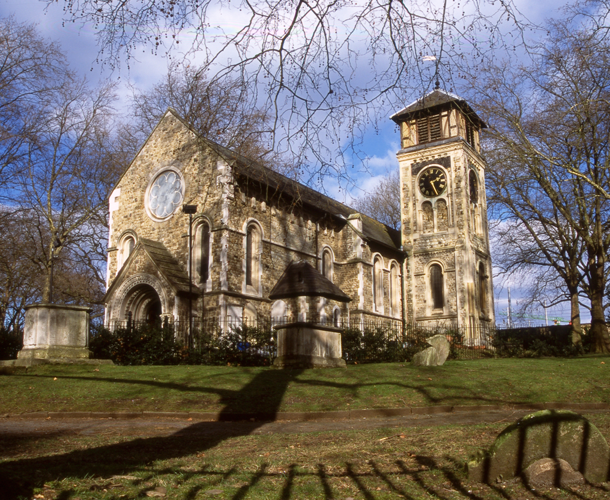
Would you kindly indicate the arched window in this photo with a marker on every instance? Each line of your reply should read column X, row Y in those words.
column 483, row 288
column 437, row 286
column 395, row 290
column 279, row 310
column 126, row 247
column 201, row 252
column 253, row 250
column 427, row 217
column 378, row 284
column 337, row 317
column 327, row 264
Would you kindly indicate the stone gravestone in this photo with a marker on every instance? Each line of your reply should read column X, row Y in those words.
column 55, row 334
column 436, row 355
column 570, row 441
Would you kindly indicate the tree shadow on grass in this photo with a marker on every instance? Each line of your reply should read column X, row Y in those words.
column 122, row 458
column 21, row 477
column 261, row 398
column 426, row 477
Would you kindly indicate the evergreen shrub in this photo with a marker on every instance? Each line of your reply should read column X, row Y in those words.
column 11, row 342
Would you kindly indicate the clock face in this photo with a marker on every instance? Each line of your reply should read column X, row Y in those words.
column 165, row 194
column 473, row 183
column 432, row 182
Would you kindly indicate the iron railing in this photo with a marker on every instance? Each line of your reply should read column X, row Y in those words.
column 467, row 343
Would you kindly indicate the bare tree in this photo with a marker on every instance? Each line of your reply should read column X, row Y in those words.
column 22, row 276
column 221, row 110
column 64, row 179
column 549, row 143
column 31, row 69
column 383, row 202
column 326, row 69
column 543, row 253
column 60, row 160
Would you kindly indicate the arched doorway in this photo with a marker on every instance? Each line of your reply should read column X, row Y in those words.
column 143, row 305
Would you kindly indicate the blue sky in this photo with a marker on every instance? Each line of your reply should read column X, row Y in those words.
column 79, row 44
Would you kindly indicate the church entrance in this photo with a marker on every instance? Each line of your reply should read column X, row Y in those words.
column 143, row 306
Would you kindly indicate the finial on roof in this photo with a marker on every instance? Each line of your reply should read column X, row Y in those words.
column 438, row 84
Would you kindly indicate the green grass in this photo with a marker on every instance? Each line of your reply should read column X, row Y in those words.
column 244, row 390
column 415, row 463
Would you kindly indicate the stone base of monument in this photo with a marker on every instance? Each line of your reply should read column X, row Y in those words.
column 574, row 445
column 55, row 334
column 303, row 345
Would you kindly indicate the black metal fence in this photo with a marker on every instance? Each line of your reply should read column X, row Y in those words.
column 364, row 340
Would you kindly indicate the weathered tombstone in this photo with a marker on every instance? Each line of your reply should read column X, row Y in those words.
column 436, row 355
column 55, row 333
column 427, row 357
column 441, row 344
column 555, row 434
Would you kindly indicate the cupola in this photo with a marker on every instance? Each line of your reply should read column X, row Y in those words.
column 438, row 116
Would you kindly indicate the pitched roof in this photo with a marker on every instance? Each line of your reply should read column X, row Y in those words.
column 167, row 265
column 301, row 279
column 437, row 99
column 280, row 184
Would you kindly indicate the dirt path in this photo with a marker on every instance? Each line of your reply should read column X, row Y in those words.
column 149, row 427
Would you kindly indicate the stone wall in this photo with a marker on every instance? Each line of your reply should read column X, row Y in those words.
column 230, row 202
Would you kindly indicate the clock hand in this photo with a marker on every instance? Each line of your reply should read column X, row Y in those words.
column 433, row 187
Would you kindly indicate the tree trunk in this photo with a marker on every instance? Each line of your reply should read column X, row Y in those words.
column 575, row 317
column 599, row 329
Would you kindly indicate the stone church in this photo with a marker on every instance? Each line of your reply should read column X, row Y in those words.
column 243, row 225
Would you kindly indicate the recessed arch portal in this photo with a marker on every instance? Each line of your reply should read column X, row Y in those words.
column 143, row 305
column 141, row 298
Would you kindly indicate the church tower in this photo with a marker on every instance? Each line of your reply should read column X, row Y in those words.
column 444, row 215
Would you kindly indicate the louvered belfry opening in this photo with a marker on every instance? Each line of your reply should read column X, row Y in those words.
column 470, row 133
column 429, row 129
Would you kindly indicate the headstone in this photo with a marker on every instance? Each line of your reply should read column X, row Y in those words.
column 55, row 334
column 441, row 344
column 554, row 434
column 427, row 357
column 436, row 355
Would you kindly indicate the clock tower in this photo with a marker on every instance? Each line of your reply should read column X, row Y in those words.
column 444, row 215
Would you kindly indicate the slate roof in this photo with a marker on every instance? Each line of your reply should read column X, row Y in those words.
column 279, row 184
column 301, row 279
column 167, row 265
column 436, row 99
